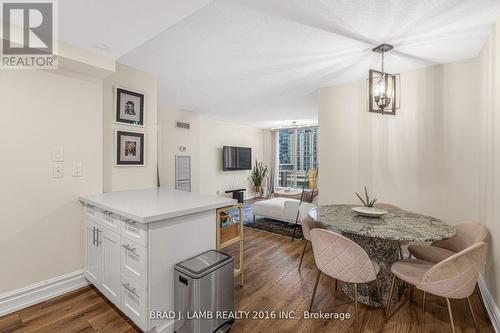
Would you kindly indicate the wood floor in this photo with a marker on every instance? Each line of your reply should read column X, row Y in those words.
column 272, row 283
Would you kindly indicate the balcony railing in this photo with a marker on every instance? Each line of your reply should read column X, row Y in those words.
column 294, row 179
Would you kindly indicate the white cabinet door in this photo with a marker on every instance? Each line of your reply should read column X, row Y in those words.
column 91, row 253
column 109, row 247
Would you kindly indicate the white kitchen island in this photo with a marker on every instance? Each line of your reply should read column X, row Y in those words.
column 134, row 238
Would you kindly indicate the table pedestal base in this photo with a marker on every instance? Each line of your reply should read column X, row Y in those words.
column 384, row 253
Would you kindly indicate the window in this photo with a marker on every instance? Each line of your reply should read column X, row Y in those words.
column 297, row 154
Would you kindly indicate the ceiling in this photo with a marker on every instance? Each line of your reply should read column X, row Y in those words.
column 261, row 62
column 115, row 27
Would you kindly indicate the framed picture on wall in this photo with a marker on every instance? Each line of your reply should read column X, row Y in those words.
column 129, row 107
column 129, row 148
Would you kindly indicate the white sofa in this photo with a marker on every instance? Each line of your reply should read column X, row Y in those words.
column 281, row 209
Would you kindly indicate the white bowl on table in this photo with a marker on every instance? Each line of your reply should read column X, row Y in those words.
column 369, row 211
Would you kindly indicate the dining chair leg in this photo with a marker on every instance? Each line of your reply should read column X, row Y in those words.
column 400, row 252
column 314, row 290
column 450, row 314
column 472, row 314
column 377, row 283
column 411, row 293
column 423, row 302
column 303, row 252
column 389, row 299
column 356, row 307
column 335, row 285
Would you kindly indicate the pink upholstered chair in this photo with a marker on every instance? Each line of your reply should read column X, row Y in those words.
column 467, row 235
column 344, row 260
column 306, row 224
column 454, row 277
column 383, row 205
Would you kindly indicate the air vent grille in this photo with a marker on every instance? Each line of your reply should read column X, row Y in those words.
column 182, row 124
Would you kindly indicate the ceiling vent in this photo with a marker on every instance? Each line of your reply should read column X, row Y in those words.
column 182, row 124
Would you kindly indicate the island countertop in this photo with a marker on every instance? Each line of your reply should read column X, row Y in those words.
column 155, row 204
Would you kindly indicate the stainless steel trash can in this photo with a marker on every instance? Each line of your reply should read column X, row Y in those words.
column 203, row 292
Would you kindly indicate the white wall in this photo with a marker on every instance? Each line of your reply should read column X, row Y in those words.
column 490, row 185
column 42, row 234
column 118, row 178
column 204, row 142
column 171, row 138
column 437, row 156
column 426, row 158
column 214, row 135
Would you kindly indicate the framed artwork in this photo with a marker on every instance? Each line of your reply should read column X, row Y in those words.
column 129, row 107
column 129, row 148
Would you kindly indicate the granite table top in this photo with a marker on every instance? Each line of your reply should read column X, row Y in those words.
column 397, row 224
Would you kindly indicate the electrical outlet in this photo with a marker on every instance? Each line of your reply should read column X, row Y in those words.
column 57, row 154
column 57, row 171
column 77, row 169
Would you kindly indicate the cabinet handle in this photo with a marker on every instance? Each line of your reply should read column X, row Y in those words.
column 128, row 248
column 132, row 290
column 93, row 235
column 98, row 237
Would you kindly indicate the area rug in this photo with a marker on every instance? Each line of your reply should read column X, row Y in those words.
column 265, row 224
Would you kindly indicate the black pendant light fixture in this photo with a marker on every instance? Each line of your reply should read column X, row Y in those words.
column 383, row 88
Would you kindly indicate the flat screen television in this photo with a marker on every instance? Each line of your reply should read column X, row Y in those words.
column 236, row 158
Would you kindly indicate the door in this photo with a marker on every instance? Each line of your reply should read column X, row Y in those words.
column 91, row 253
column 109, row 247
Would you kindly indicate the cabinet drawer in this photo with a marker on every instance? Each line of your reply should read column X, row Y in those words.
column 94, row 213
column 134, row 231
column 133, row 262
column 133, row 302
column 112, row 222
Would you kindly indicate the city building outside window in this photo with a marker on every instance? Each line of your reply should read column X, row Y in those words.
column 298, row 155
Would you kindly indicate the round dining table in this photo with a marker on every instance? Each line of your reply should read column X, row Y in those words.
column 381, row 238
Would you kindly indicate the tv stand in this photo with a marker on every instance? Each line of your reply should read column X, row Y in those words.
column 237, row 194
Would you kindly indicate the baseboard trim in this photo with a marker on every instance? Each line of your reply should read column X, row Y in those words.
column 490, row 305
column 39, row 292
column 165, row 328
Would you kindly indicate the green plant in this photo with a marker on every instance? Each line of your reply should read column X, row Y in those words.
column 259, row 171
column 368, row 202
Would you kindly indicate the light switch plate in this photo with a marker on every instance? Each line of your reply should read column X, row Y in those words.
column 77, row 169
column 57, row 154
column 57, row 171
